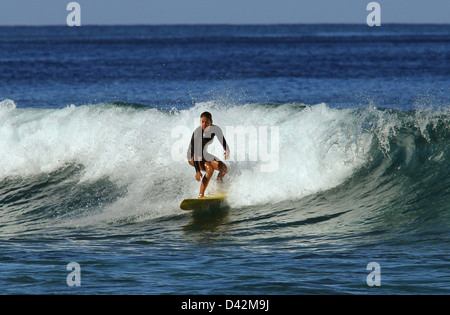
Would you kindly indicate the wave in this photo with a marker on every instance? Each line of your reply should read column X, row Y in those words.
column 119, row 162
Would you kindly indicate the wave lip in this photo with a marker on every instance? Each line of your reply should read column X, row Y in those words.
column 319, row 148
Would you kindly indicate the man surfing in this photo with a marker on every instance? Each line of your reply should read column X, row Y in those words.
column 198, row 155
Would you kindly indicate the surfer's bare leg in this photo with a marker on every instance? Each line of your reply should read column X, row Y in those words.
column 205, row 180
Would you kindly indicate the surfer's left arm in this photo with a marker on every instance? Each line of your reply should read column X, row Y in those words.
column 223, row 142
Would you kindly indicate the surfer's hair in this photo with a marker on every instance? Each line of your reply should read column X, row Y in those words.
column 207, row 115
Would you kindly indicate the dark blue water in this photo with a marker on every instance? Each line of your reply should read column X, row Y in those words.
column 94, row 122
column 395, row 65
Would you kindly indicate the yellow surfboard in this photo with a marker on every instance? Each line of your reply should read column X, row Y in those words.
column 202, row 203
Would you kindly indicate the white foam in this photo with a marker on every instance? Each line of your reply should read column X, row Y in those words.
column 319, row 148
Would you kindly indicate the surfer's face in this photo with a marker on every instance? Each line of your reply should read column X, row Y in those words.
column 205, row 122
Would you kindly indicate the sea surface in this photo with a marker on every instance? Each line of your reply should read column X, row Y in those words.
column 339, row 177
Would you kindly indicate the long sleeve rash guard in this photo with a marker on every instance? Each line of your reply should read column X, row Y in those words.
column 198, row 148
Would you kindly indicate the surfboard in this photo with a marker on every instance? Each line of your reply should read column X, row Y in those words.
column 202, row 203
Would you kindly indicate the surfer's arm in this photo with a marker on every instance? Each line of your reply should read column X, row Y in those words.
column 226, row 148
column 223, row 142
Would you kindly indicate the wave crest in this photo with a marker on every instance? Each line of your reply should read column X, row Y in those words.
column 124, row 152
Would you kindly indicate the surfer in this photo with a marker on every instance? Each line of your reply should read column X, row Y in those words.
column 198, row 155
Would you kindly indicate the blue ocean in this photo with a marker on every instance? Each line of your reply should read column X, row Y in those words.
column 339, row 174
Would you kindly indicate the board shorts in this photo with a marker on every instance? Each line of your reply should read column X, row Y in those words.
column 209, row 158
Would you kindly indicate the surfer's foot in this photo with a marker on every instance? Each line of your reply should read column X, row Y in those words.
column 201, row 196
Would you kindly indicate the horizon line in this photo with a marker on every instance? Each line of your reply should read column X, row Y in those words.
column 224, row 24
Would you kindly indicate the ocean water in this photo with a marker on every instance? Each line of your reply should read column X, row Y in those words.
column 340, row 150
